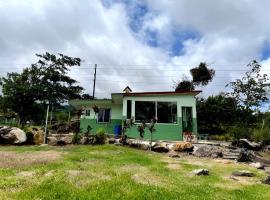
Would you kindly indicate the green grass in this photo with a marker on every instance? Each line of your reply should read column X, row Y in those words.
column 113, row 172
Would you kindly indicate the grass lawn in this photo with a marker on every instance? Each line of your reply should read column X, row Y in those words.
column 112, row 172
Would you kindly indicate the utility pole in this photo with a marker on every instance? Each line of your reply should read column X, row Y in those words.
column 95, row 81
column 46, row 125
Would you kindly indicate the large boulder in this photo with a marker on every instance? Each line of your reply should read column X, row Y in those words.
column 208, row 151
column 201, row 172
column 243, row 173
column 250, row 145
column 160, row 147
column 12, row 135
column 244, row 156
column 257, row 165
column 52, row 140
column 38, row 136
column 266, row 180
column 183, row 146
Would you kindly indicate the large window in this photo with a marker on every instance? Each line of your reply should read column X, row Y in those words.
column 104, row 115
column 145, row 111
column 167, row 112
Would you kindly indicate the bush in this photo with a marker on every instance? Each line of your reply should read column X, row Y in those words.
column 62, row 117
column 76, row 138
column 261, row 135
column 225, row 137
column 100, row 136
column 240, row 131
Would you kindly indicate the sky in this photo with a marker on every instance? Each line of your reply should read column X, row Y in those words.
column 146, row 44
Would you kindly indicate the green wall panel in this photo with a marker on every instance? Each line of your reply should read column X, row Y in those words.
column 109, row 127
column 195, row 127
column 163, row 132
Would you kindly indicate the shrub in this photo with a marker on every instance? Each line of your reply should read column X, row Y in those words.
column 76, row 138
column 100, row 136
column 225, row 137
column 261, row 135
column 239, row 132
column 62, row 117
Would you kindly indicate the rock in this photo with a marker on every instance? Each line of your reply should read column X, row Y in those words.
column 144, row 146
column 12, row 135
column 200, row 172
column 208, row 151
column 65, row 140
column 43, row 145
column 52, row 140
column 111, row 141
column 257, row 165
column 160, row 147
column 183, row 146
column 266, row 180
column 243, row 173
column 244, row 156
column 38, row 136
column 174, row 155
column 267, row 148
column 250, row 145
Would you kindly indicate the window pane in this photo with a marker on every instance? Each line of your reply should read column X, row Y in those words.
column 87, row 113
column 107, row 115
column 144, row 111
column 167, row 112
column 100, row 115
column 128, row 109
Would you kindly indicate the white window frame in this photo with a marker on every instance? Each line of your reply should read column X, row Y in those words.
column 102, row 122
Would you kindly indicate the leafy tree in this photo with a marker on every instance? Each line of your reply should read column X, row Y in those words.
column 215, row 112
column 201, row 75
column 251, row 89
column 46, row 81
column 184, row 85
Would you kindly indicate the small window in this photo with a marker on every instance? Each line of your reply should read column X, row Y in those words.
column 87, row 112
column 104, row 115
column 167, row 112
column 145, row 111
column 128, row 109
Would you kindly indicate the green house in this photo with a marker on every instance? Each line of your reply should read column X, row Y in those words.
column 175, row 113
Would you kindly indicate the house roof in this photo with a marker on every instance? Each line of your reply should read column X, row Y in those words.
column 194, row 92
column 117, row 98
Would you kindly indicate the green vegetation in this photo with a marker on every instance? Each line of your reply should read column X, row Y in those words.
column 111, row 172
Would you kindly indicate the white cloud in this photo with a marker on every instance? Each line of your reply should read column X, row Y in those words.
column 231, row 35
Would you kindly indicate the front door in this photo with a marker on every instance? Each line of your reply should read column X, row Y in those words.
column 187, row 125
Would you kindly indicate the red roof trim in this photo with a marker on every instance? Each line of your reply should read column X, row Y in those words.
column 162, row 93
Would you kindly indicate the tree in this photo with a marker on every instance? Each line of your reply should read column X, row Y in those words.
column 215, row 112
column 184, row 85
column 44, row 82
column 201, row 75
column 251, row 90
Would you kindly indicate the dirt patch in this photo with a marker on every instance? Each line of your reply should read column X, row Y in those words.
column 26, row 174
column 224, row 161
column 147, row 179
column 142, row 175
column 10, row 159
column 174, row 166
column 132, row 168
column 83, row 178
